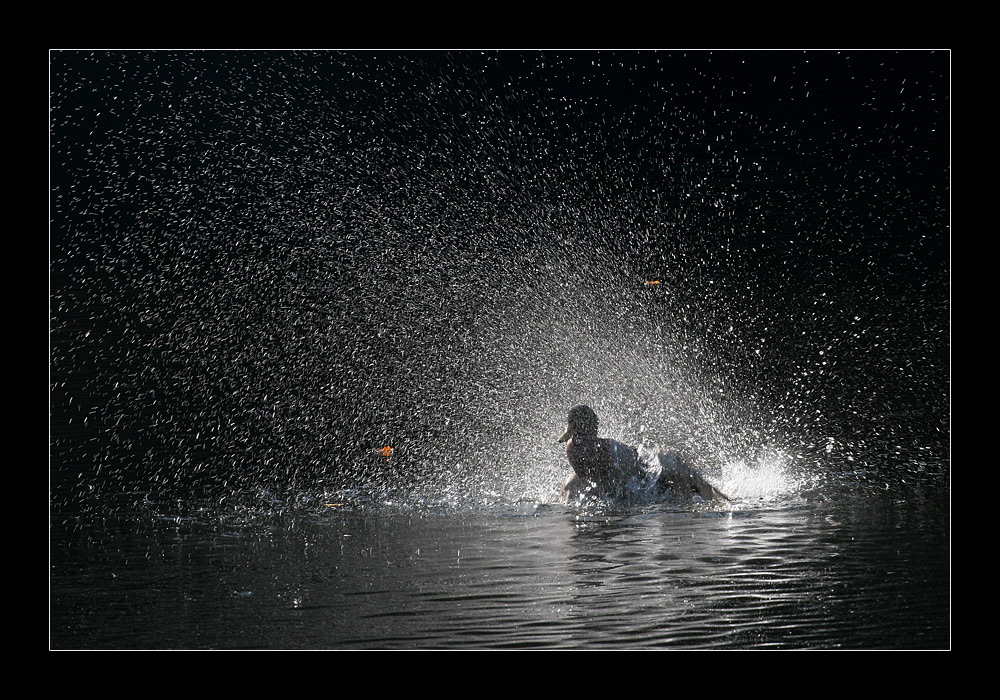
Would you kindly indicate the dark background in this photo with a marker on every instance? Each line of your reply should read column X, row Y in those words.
column 202, row 202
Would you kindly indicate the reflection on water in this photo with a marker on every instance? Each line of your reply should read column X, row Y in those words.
column 870, row 572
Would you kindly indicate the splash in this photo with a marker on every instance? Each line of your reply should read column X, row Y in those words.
column 766, row 479
column 267, row 268
column 569, row 324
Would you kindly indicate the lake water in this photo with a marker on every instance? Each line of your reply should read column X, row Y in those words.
column 317, row 318
column 864, row 570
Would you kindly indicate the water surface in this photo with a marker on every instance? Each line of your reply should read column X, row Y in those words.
column 868, row 571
